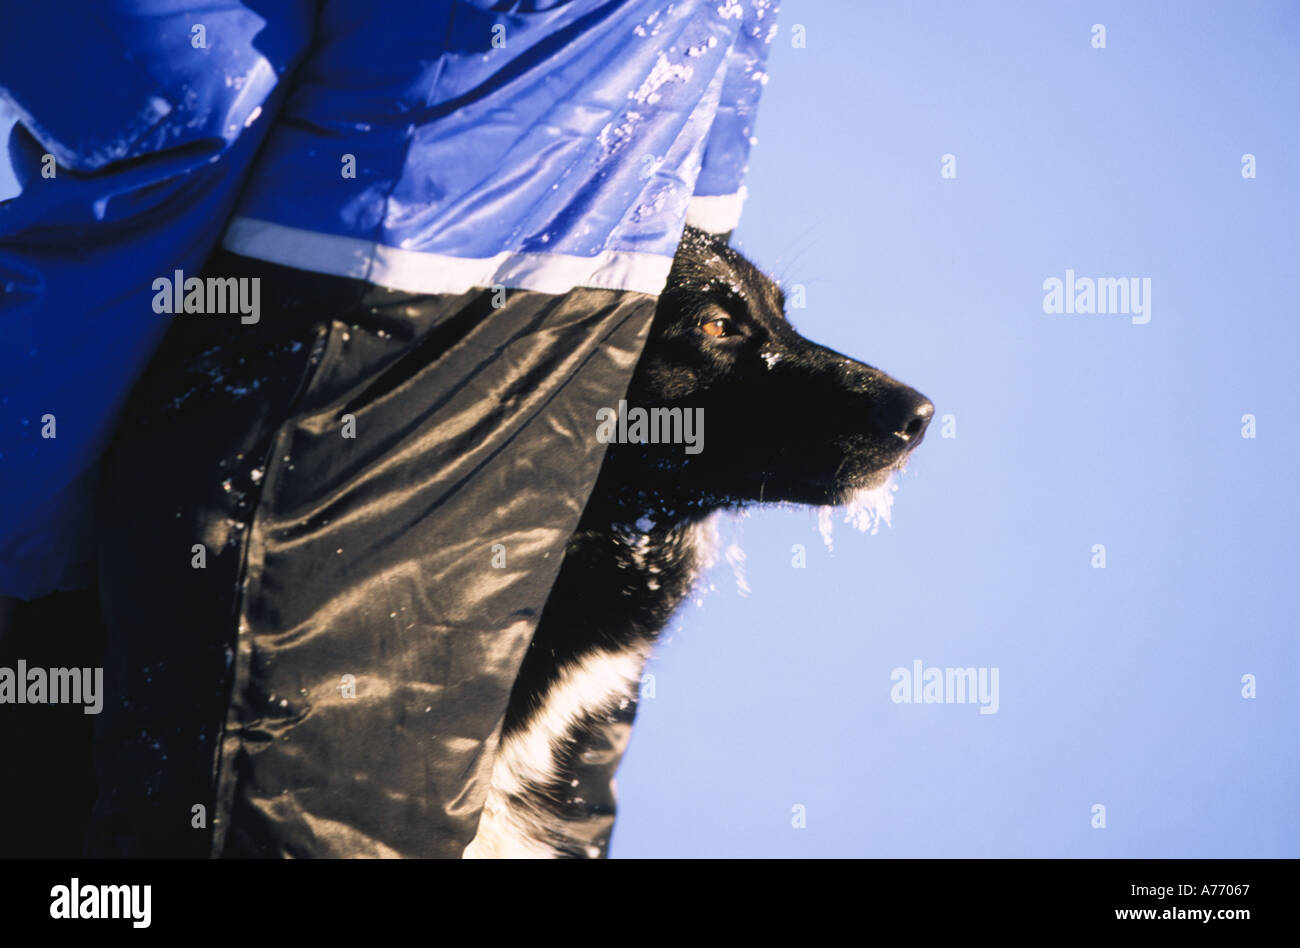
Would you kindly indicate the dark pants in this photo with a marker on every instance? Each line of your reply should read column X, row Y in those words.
column 309, row 646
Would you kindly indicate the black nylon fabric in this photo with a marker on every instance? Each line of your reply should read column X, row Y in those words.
column 328, row 556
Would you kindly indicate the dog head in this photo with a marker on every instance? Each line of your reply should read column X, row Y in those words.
column 784, row 418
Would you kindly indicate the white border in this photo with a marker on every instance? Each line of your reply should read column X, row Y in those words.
column 716, row 214
column 418, row 272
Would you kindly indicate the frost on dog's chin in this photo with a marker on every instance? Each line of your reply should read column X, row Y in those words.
column 865, row 509
column 735, row 556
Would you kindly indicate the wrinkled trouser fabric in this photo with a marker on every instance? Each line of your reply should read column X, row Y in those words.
column 310, row 635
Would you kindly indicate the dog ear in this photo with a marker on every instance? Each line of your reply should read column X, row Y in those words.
column 700, row 245
column 719, row 238
column 722, row 239
column 697, row 236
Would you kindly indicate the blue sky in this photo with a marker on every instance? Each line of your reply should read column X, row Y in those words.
column 1118, row 686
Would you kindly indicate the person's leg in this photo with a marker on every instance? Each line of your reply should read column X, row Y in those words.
column 176, row 502
column 380, row 498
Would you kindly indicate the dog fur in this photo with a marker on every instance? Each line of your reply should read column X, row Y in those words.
column 787, row 421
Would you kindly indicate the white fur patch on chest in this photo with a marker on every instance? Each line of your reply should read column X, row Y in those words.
column 516, row 823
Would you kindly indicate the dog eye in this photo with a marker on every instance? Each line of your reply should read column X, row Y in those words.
column 716, row 327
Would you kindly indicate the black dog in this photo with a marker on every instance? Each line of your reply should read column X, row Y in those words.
column 787, row 421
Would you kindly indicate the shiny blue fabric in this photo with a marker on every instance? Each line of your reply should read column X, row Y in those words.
column 475, row 129
column 580, row 133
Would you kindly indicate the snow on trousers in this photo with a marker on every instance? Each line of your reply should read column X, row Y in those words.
column 297, row 560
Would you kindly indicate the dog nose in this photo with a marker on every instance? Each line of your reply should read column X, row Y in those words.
column 905, row 414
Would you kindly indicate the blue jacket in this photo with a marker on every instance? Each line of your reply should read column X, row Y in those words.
column 426, row 145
